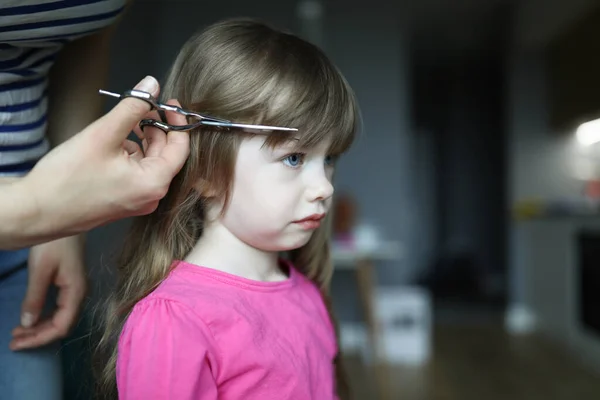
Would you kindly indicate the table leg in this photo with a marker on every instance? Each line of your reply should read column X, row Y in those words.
column 367, row 282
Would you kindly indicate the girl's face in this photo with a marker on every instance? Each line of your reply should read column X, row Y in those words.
column 279, row 195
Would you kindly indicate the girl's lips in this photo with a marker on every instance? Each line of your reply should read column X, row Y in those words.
column 311, row 222
column 313, row 217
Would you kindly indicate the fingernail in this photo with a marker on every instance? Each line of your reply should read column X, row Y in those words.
column 148, row 84
column 27, row 320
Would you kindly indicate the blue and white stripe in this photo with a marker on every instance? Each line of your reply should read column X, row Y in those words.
column 32, row 32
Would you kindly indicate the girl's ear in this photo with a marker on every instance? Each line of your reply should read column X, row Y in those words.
column 205, row 189
column 212, row 201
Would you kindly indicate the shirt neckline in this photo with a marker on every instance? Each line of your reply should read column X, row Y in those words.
column 239, row 281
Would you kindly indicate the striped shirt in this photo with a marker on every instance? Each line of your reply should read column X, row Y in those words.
column 32, row 33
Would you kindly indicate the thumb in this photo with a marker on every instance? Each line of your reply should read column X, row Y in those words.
column 119, row 122
column 40, row 280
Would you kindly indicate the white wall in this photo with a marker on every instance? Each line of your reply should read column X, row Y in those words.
column 542, row 163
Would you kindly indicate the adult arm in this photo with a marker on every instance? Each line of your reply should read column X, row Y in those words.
column 94, row 178
column 80, row 70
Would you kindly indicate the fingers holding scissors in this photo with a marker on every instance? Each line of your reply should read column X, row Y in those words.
column 164, row 151
column 156, row 141
column 139, row 132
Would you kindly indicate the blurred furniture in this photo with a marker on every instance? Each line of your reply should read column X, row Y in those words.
column 362, row 262
column 588, row 280
column 405, row 319
column 557, row 257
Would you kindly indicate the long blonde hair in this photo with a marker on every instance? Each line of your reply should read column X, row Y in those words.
column 242, row 70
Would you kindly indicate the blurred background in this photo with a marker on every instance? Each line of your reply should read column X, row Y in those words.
column 467, row 240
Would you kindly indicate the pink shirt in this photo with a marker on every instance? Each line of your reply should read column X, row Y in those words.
column 205, row 334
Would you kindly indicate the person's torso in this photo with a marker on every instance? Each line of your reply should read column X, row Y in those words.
column 276, row 339
column 32, row 33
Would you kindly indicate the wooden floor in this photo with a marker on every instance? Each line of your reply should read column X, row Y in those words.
column 482, row 363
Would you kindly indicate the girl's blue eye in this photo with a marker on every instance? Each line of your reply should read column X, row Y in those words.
column 330, row 160
column 294, row 160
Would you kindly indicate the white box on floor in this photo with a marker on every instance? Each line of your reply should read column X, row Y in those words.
column 404, row 317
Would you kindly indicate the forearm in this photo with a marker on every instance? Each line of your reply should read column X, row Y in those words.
column 26, row 221
column 18, row 214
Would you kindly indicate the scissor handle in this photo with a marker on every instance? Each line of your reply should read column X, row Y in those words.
column 166, row 127
column 155, row 104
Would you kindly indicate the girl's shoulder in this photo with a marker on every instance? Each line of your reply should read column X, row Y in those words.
column 164, row 311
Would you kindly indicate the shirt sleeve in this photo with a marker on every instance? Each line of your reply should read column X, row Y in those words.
column 166, row 352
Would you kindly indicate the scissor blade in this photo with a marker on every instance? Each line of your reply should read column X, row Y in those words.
column 248, row 126
column 106, row 92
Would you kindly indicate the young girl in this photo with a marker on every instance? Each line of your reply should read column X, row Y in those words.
column 222, row 291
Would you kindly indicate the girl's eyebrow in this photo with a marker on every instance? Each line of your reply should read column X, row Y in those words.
column 291, row 142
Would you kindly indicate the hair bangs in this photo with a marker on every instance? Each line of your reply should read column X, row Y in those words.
column 312, row 96
column 262, row 76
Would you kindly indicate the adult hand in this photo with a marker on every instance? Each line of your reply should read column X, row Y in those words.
column 59, row 263
column 98, row 176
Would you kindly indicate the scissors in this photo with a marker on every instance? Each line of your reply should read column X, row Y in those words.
column 201, row 119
